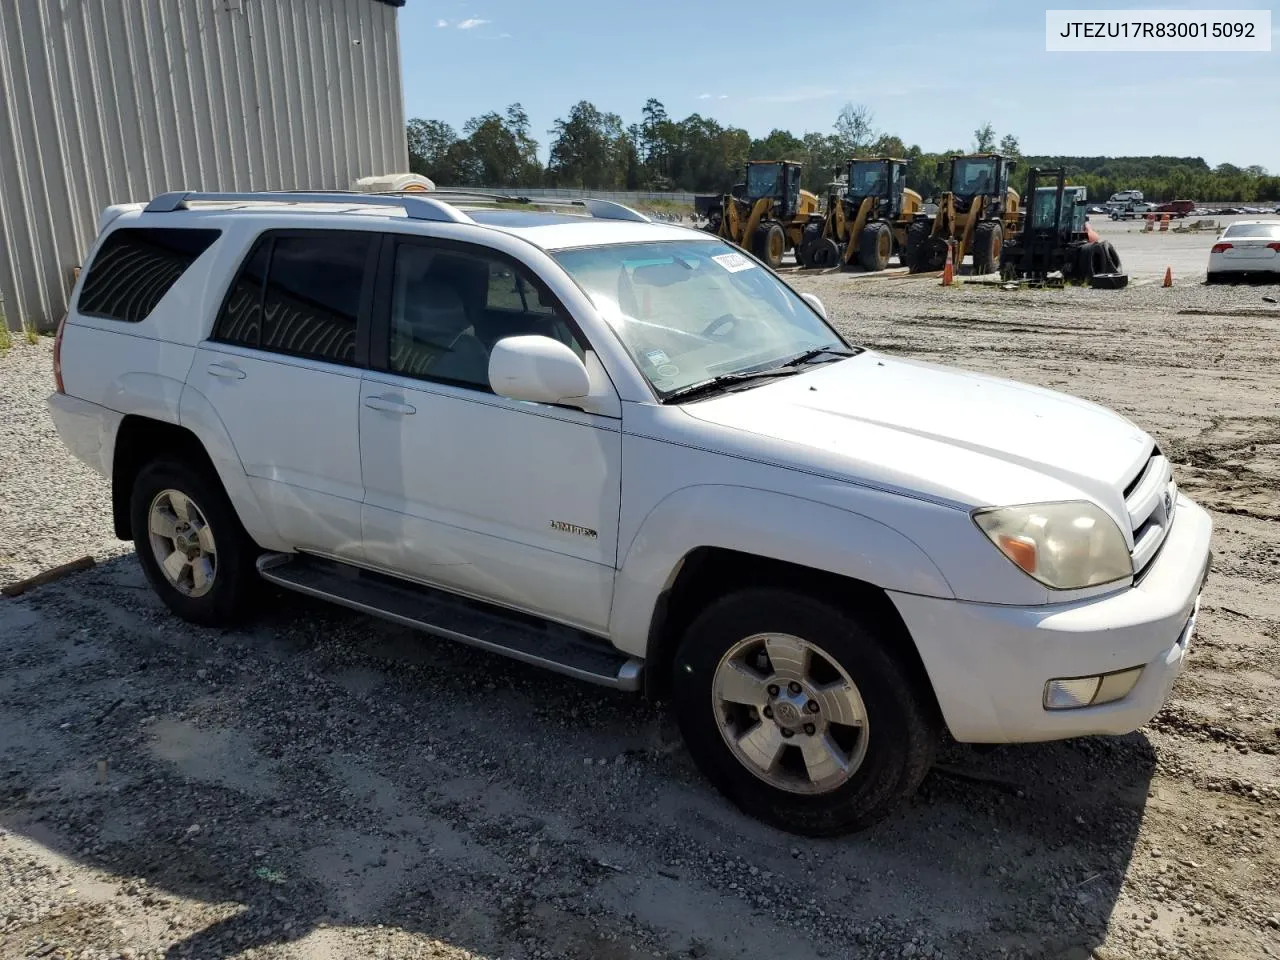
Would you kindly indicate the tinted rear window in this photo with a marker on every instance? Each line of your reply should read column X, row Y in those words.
column 1263, row 231
column 136, row 266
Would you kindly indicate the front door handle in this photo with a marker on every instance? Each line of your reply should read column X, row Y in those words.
column 222, row 370
column 390, row 405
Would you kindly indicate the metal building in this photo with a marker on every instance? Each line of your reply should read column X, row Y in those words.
column 110, row 101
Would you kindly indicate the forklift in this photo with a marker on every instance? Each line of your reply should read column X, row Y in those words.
column 1055, row 241
column 868, row 219
column 975, row 214
column 767, row 213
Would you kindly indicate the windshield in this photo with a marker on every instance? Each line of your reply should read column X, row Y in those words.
column 1264, row 231
column 691, row 310
column 867, row 180
column 974, row 176
column 1045, row 201
column 762, row 180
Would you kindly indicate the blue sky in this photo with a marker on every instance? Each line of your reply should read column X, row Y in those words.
column 968, row 62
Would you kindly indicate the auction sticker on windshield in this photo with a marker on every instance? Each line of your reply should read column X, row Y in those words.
column 733, row 262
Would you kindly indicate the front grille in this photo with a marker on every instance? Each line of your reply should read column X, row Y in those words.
column 1149, row 499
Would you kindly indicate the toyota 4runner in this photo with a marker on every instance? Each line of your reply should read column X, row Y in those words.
column 631, row 453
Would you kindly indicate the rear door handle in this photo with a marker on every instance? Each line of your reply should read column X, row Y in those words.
column 222, row 370
column 388, row 405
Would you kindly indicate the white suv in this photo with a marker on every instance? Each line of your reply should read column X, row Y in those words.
column 629, row 452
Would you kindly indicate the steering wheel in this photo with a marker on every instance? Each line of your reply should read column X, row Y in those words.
column 713, row 328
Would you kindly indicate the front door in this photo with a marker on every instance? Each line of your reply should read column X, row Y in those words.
column 281, row 371
column 512, row 502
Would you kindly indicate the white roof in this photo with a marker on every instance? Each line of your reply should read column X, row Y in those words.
column 563, row 232
column 611, row 224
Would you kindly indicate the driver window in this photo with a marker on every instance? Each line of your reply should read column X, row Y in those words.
column 449, row 306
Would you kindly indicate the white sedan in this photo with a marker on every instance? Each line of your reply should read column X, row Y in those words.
column 1247, row 247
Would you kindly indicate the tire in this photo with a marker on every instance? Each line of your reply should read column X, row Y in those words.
column 1113, row 257
column 229, row 570
column 1091, row 259
column 888, row 755
column 988, row 244
column 1215, row 278
column 1109, row 281
column 875, row 246
column 770, row 243
column 808, row 241
column 918, row 234
column 825, row 253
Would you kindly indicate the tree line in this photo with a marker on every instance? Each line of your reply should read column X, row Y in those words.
column 593, row 149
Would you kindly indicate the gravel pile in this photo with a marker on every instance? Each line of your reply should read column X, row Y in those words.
column 53, row 509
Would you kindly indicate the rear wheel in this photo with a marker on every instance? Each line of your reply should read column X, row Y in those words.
column 191, row 545
column 800, row 712
column 988, row 243
column 770, row 243
column 875, row 246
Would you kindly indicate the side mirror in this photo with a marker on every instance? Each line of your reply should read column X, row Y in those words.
column 539, row 369
column 813, row 301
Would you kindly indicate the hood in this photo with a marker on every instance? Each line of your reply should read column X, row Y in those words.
column 940, row 432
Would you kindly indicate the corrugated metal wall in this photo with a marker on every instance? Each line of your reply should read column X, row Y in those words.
column 109, row 101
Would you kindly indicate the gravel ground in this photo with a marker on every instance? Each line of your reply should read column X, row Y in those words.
column 322, row 785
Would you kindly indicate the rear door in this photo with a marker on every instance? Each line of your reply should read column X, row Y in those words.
column 282, row 371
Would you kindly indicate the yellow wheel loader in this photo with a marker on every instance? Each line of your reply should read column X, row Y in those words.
column 867, row 221
column 978, row 211
column 767, row 213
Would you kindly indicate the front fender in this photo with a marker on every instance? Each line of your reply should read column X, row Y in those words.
column 761, row 523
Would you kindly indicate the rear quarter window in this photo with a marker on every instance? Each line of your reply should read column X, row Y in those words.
column 136, row 266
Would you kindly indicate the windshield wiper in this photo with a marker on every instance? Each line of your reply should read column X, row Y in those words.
column 816, row 352
column 726, row 380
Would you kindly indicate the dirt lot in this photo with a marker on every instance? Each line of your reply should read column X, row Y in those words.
column 325, row 786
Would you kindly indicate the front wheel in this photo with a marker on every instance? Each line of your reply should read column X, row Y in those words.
column 191, row 544
column 801, row 713
column 875, row 246
column 770, row 243
column 988, row 245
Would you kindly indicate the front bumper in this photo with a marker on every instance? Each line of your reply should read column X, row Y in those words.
column 989, row 663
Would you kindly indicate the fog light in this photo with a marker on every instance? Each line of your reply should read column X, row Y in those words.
column 1117, row 685
column 1068, row 694
column 1074, row 692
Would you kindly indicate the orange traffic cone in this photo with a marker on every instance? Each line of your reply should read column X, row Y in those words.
column 949, row 271
column 1168, row 276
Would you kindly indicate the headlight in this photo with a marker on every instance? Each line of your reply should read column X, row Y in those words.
column 1065, row 546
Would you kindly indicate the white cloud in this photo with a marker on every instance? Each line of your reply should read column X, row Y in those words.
column 472, row 23
column 442, row 23
column 798, row 95
column 704, row 96
column 723, row 96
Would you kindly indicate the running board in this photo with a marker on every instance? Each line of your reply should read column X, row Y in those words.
column 519, row 636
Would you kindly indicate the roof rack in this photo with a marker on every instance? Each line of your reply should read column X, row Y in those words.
column 439, row 206
column 415, row 207
column 600, row 209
